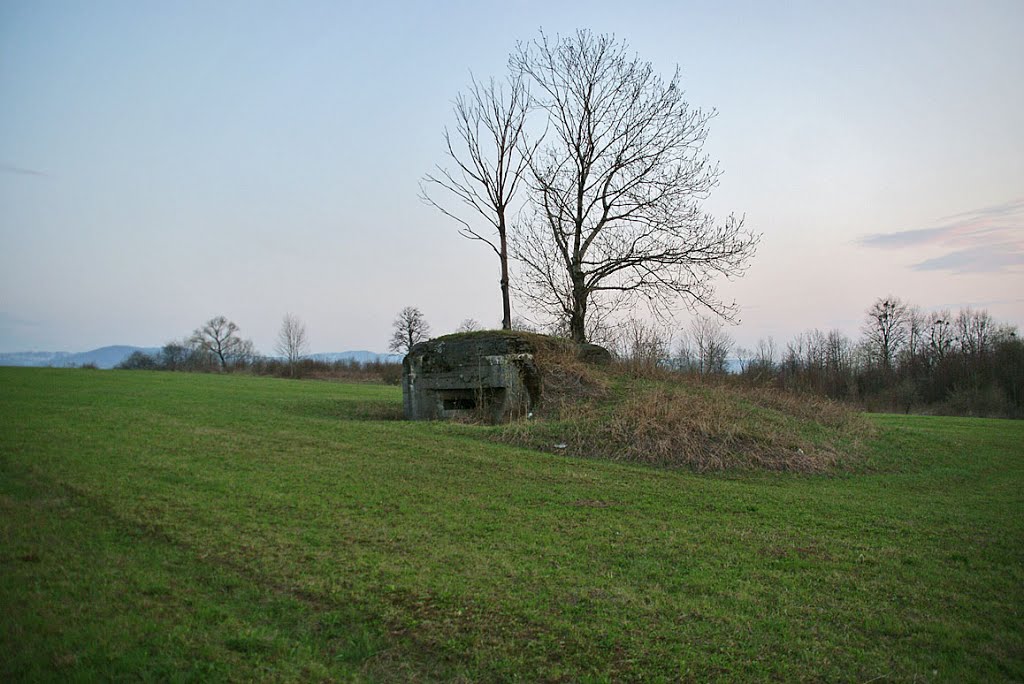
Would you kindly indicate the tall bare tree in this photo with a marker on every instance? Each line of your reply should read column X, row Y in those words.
column 292, row 342
column 838, row 353
column 218, row 336
column 617, row 188
column 410, row 327
column 886, row 330
column 941, row 337
column 489, row 153
column 975, row 330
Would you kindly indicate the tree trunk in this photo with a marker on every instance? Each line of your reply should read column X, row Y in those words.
column 578, row 319
column 506, row 307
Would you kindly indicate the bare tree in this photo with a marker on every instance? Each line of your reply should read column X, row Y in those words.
column 838, row 353
column 470, row 325
column 941, row 337
column 916, row 323
column 710, row 345
column 685, row 358
column 886, row 329
column 291, row 341
column 600, row 327
column 617, row 190
column 523, row 325
column 489, row 153
column 765, row 354
column 643, row 345
column 744, row 355
column 792, row 359
column 218, row 336
column 410, row 328
column 974, row 330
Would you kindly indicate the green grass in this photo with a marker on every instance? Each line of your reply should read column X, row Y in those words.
column 200, row 528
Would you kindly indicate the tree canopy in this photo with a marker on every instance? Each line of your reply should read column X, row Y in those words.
column 608, row 158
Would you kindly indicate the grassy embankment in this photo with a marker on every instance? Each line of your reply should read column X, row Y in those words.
column 174, row 526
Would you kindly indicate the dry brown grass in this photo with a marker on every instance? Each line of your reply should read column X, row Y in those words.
column 668, row 420
column 566, row 381
column 723, row 429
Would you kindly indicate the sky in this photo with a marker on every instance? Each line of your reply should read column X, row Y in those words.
column 162, row 163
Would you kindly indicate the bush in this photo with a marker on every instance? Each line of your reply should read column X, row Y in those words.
column 139, row 361
column 975, row 401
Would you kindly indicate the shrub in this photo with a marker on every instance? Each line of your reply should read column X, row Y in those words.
column 138, row 360
column 975, row 401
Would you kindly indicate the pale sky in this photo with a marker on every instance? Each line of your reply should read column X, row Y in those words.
column 165, row 162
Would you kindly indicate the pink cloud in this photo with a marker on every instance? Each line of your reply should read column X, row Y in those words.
column 986, row 240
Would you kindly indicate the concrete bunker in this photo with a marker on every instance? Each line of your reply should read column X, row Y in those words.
column 488, row 376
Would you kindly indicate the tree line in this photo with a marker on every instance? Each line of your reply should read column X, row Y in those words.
column 906, row 359
column 217, row 346
column 964, row 363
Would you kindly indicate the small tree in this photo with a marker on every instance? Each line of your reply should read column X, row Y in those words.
column 219, row 337
column 523, row 325
column 174, row 355
column 410, row 328
column 469, row 325
column 765, row 355
column 138, row 360
column 710, row 345
column 291, row 341
column 642, row 345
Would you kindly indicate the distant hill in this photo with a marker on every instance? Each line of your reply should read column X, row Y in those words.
column 109, row 357
column 104, row 357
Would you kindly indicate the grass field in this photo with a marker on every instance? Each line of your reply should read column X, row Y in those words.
column 200, row 527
